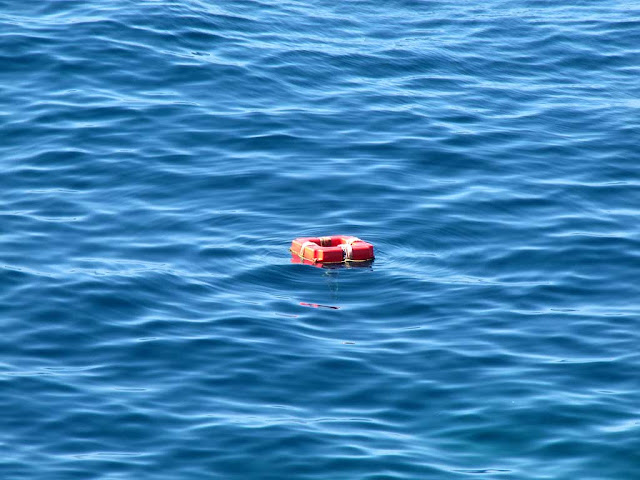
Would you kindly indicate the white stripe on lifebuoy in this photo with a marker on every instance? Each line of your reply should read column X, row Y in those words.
column 347, row 251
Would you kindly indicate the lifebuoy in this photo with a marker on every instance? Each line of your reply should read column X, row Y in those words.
column 334, row 249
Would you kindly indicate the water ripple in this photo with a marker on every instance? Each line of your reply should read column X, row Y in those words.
column 158, row 159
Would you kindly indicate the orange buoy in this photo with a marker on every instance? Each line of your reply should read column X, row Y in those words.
column 334, row 249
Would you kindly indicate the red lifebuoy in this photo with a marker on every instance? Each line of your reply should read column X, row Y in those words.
column 334, row 249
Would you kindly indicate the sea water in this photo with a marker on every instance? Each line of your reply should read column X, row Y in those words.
column 157, row 159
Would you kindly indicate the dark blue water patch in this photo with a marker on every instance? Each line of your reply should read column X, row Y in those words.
column 159, row 158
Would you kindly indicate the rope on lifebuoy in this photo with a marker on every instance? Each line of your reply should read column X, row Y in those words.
column 304, row 245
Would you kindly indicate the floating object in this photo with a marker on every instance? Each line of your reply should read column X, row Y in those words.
column 334, row 249
column 317, row 305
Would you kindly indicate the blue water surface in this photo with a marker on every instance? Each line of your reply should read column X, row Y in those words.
column 157, row 159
